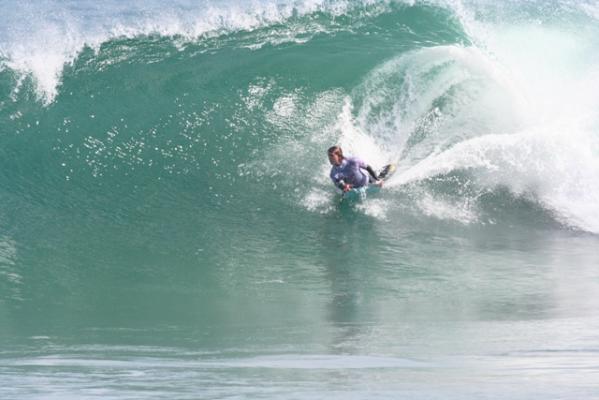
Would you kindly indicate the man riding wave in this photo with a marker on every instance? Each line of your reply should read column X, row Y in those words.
column 348, row 172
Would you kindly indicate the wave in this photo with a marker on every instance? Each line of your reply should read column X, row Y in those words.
column 57, row 32
column 472, row 108
column 495, row 112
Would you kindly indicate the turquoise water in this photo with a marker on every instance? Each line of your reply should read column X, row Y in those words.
column 168, row 230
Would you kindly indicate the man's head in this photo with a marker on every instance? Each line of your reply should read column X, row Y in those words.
column 335, row 155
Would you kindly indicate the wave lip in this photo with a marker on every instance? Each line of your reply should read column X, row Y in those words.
column 56, row 32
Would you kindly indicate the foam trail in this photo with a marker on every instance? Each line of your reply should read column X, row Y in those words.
column 556, row 170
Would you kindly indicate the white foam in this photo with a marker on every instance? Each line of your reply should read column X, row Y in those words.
column 462, row 211
column 401, row 99
column 376, row 208
column 40, row 38
column 559, row 170
column 318, row 200
column 524, row 117
column 356, row 141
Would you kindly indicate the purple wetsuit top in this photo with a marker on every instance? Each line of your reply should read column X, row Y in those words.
column 350, row 171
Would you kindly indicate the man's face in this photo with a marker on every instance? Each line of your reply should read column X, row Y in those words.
column 335, row 159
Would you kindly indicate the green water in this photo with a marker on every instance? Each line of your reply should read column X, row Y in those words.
column 168, row 228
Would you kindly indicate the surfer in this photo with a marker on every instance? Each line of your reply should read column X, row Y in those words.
column 348, row 172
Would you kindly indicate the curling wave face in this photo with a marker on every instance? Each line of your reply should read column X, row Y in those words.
column 146, row 97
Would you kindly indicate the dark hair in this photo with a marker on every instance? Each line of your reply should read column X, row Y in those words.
column 335, row 150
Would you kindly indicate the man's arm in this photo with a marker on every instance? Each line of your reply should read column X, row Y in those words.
column 367, row 167
column 372, row 173
column 377, row 181
column 339, row 182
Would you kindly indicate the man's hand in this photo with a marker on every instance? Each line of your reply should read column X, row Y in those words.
column 346, row 187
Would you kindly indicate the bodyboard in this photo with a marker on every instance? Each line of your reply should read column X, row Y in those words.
column 361, row 193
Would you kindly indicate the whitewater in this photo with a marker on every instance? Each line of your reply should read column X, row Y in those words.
column 168, row 228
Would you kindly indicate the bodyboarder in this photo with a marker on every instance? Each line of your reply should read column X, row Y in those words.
column 350, row 172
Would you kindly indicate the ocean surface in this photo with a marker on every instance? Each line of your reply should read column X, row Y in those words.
column 168, row 229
